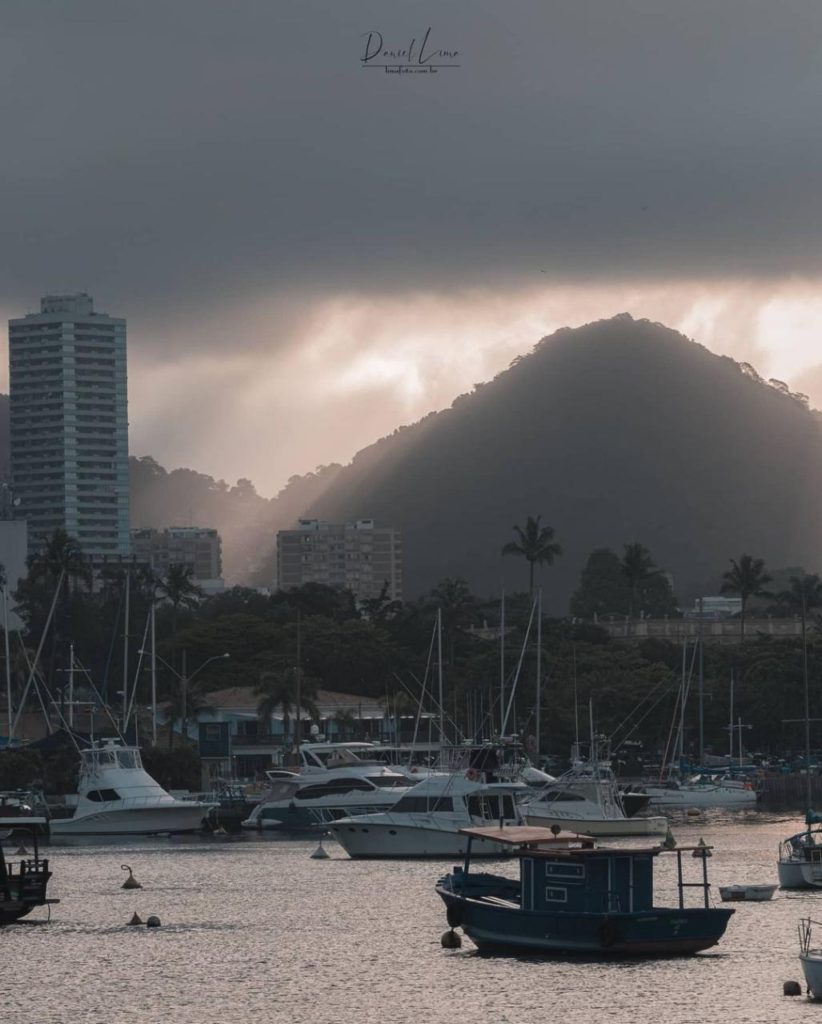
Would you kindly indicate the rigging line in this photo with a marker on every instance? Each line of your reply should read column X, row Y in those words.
column 43, row 635
column 658, row 701
column 110, row 656
column 97, row 694
column 519, row 666
column 38, row 682
column 422, row 694
column 137, row 674
column 664, row 682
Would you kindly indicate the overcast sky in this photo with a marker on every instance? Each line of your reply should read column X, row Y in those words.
column 310, row 252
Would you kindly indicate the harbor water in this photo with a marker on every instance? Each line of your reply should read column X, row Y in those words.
column 256, row 931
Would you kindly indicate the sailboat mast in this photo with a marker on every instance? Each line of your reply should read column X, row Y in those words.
column 439, row 680
column 501, row 661
column 153, row 673
column 807, row 703
column 539, row 673
column 731, row 725
column 299, row 688
column 125, row 651
column 701, row 691
column 8, row 663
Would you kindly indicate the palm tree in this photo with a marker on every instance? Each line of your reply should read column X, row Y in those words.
column 180, row 590
column 536, row 544
column 279, row 690
column 454, row 599
column 60, row 554
column 805, row 592
column 637, row 567
column 748, row 578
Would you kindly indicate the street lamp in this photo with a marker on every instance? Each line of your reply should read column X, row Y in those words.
column 183, row 677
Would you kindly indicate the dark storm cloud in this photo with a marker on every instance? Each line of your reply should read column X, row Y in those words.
column 178, row 156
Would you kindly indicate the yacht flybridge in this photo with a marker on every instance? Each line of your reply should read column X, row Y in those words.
column 117, row 796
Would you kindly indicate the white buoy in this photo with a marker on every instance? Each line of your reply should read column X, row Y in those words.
column 320, row 853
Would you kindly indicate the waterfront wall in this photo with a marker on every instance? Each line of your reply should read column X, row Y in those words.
column 789, row 792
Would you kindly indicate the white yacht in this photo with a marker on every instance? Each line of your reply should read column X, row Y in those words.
column 425, row 821
column 296, row 802
column 799, row 865
column 587, row 799
column 117, row 796
column 703, row 791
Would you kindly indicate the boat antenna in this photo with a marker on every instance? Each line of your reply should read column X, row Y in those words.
column 519, row 666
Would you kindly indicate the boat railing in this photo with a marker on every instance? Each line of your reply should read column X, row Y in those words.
column 806, row 928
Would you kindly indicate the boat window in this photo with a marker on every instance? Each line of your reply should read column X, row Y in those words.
column 423, row 804
column 334, row 787
column 106, row 757
column 555, row 796
column 389, row 781
column 488, row 807
column 102, row 795
column 127, row 759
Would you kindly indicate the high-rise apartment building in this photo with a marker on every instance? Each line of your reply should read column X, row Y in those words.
column 358, row 556
column 69, row 425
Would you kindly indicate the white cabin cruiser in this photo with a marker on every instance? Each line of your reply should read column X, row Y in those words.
column 296, row 802
column 587, row 799
column 426, row 821
column 117, row 796
column 703, row 791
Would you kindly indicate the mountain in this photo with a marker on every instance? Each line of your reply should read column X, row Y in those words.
column 618, row 431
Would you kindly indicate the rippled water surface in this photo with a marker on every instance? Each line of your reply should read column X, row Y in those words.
column 258, row 931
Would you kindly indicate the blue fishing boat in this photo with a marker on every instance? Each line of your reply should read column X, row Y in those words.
column 575, row 897
column 23, row 885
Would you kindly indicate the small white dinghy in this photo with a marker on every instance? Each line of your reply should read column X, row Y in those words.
column 752, row 893
column 810, row 957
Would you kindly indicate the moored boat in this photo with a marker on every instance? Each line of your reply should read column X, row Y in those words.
column 117, row 796
column 575, row 897
column 799, row 864
column 427, row 821
column 810, row 957
column 746, row 893
column 23, row 885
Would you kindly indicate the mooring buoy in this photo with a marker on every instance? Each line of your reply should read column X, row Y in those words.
column 21, row 851
column 131, row 882
column 791, row 988
column 135, row 918
column 153, row 922
column 702, row 849
column 669, row 842
column 320, row 853
column 693, row 812
column 450, row 940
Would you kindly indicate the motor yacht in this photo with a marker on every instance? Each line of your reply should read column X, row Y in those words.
column 117, row 796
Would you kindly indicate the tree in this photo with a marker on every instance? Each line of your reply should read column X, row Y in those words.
column 180, row 590
column 279, row 690
column 184, row 703
column 456, row 603
column 535, row 544
column 637, row 567
column 748, row 578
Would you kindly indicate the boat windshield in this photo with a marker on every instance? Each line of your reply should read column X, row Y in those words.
column 488, row 807
column 128, row 759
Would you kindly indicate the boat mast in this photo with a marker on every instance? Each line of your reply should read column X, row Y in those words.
column 71, row 686
column 439, row 679
column 8, row 663
column 501, row 661
column 731, row 726
column 153, row 675
column 299, row 689
column 539, row 673
column 807, row 704
column 701, row 691
column 125, row 652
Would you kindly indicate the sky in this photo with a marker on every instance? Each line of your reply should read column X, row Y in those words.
column 311, row 251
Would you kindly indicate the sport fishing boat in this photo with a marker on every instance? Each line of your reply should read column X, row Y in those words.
column 587, row 799
column 427, row 821
column 23, row 885
column 117, row 796
column 799, row 865
column 575, row 897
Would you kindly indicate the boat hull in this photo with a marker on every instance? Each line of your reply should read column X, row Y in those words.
column 139, row 821
column 702, row 797
column 657, row 932
column 812, row 969
column 363, row 841
column 656, row 826
column 790, row 875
